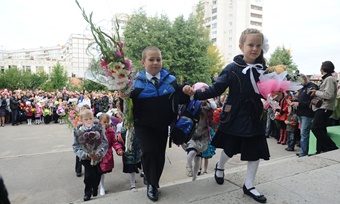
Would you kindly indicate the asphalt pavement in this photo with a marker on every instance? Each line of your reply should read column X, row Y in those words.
column 37, row 164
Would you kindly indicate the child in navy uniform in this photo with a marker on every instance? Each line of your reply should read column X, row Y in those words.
column 155, row 99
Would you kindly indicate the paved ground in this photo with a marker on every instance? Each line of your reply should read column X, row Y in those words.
column 37, row 164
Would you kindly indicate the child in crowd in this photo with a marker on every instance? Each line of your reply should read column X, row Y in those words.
column 281, row 116
column 107, row 163
column 291, row 123
column 132, row 158
column 208, row 153
column 29, row 113
column 90, row 155
column 201, row 136
column 38, row 113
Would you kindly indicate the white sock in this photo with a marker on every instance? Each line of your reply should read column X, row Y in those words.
column 101, row 185
column 132, row 180
column 223, row 159
column 252, row 167
column 190, row 157
column 197, row 164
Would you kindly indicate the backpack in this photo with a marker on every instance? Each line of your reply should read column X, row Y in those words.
column 188, row 118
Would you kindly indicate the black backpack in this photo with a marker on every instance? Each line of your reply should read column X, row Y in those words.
column 187, row 120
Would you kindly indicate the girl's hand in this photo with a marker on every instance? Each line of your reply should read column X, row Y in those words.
column 188, row 90
column 120, row 152
column 94, row 157
column 312, row 92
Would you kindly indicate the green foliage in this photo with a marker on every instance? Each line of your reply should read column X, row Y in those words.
column 141, row 31
column 58, row 77
column 281, row 55
column 11, row 78
column 14, row 78
column 184, row 44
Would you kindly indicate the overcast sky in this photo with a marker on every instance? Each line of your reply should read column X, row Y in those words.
column 310, row 28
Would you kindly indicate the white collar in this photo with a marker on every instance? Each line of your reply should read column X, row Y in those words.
column 149, row 76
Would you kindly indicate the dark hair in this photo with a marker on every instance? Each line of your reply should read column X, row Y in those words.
column 327, row 66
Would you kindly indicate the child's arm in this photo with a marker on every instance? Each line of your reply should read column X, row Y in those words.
column 117, row 146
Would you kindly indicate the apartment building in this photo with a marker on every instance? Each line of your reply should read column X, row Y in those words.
column 75, row 55
column 226, row 19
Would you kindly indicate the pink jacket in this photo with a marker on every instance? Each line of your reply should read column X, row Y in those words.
column 107, row 162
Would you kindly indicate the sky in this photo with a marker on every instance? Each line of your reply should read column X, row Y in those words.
column 309, row 28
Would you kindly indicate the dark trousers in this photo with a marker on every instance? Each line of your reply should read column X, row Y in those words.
column 3, row 193
column 78, row 165
column 92, row 177
column 291, row 139
column 14, row 116
column 152, row 142
column 319, row 128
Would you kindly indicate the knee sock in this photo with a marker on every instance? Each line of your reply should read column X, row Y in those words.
column 132, row 180
column 190, row 157
column 101, row 185
column 205, row 165
column 197, row 165
column 252, row 167
column 223, row 159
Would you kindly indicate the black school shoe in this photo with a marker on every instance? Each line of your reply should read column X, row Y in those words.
column 258, row 198
column 87, row 197
column 152, row 192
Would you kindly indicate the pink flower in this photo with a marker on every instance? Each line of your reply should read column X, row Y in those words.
column 103, row 64
column 127, row 64
column 118, row 54
column 121, row 44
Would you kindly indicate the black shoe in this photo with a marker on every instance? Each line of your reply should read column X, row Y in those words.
column 258, row 198
column 199, row 172
column 152, row 192
column 289, row 149
column 219, row 180
column 86, row 197
column 142, row 174
column 78, row 174
column 95, row 192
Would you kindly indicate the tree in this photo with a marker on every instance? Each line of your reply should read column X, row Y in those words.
column 58, row 78
column 11, row 78
column 141, row 31
column 184, row 44
column 281, row 55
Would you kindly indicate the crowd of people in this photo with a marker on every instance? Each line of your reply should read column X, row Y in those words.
column 155, row 89
column 24, row 106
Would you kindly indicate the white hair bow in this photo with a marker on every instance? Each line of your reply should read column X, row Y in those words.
column 259, row 69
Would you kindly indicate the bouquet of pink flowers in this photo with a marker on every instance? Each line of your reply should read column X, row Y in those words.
column 115, row 71
column 90, row 140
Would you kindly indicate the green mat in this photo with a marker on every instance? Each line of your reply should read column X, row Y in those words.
column 333, row 132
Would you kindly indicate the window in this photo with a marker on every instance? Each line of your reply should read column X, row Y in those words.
column 256, row 15
column 214, row 17
column 255, row 23
column 258, row 8
column 214, row 10
column 213, row 40
column 214, row 25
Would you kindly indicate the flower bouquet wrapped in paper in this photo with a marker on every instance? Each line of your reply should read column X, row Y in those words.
column 90, row 140
column 275, row 79
column 115, row 72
